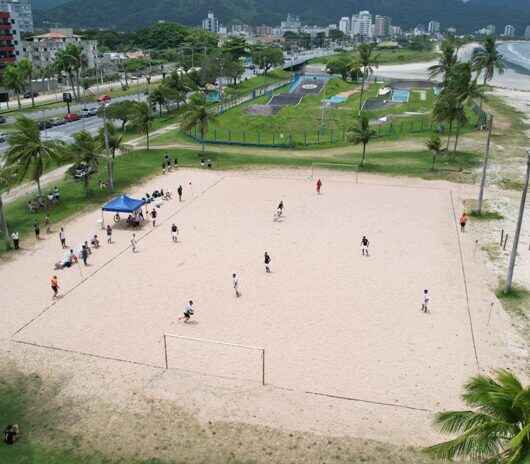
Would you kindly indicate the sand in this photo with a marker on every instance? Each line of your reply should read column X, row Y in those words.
column 343, row 334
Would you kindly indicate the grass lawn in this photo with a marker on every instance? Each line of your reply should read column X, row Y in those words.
column 307, row 124
column 25, row 400
column 256, row 82
column 389, row 56
column 136, row 166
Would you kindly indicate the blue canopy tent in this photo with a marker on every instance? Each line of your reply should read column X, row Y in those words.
column 122, row 204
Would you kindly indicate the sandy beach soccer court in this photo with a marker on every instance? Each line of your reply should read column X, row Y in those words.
column 332, row 323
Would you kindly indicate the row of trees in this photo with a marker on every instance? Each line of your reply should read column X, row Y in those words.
column 460, row 88
column 70, row 62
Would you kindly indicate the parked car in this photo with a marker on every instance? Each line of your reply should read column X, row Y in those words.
column 3, row 138
column 28, row 94
column 104, row 99
column 70, row 117
column 80, row 170
column 84, row 113
column 2, row 120
column 57, row 121
column 45, row 124
column 93, row 111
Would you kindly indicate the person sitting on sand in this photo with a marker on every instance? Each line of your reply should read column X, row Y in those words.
column 95, row 241
column 11, row 434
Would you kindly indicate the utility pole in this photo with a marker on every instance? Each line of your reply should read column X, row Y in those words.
column 485, row 167
column 110, row 174
column 513, row 256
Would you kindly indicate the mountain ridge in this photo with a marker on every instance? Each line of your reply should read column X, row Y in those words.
column 135, row 14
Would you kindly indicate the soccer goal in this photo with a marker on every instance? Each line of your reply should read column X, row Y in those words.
column 328, row 170
column 215, row 358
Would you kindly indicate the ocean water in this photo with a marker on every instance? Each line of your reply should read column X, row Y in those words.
column 516, row 53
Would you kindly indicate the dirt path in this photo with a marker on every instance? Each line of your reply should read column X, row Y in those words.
column 401, row 145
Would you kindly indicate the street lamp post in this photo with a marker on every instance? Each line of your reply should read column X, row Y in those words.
column 513, row 255
column 110, row 177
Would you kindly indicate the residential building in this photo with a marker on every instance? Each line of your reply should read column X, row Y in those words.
column 420, row 30
column 263, row 30
column 527, row 33
column 491, row 29
column 382, row 26
column 241, row 29
column 291, row 24
column 433, row 27
column 396, row 31
column 451, row 30
column 10, row 43
column 344, row 25
column 22, row 10
column 509, row 31
column 361, row 24
column 211, row 23
column 42, row 49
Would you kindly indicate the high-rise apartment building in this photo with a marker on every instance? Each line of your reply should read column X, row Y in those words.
column 433, row 27
column 211, row 23
column 527, row 33
column 382, row 26
column 361, row 24
column 509, row 31
column 345, row 25
column 23, row 12
column 10, row 43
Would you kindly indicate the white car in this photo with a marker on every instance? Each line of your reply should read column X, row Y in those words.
column 93, row 111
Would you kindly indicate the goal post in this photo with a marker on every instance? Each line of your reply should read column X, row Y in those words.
column 317, row 167
column 214, row 357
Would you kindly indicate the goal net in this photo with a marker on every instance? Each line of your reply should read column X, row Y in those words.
column 334, row 171
column 215, row 358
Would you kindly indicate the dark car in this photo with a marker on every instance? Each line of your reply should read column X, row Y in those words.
column 2, row 120
column 57, row 122
column 3, row 138
column 30, row 94
column 45, row 124
column 80, row 170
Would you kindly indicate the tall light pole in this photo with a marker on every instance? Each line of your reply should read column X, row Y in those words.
column 513, row 256
column 485, row 167
column 110, row 175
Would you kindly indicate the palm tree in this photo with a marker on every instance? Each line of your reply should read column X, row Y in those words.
column 26, row 68
column 71, row 60
column 496, row 428
column 465, row 91
column 446, row 109
column 487, row 60
column 28, row 154
column 158, row 97
column 361, row 133
column 5, row 181
column 84, row 151
column 367, row 62
column 446, row 63
column 13, row 79
column 197, row 114
column 115, row 139
column 142, row 118
column 434, row 144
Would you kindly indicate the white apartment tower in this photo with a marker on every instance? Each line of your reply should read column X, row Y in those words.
column 361, row 24
column 433, row 27
column 344, row 25
column 509, row 31
column 211, row 23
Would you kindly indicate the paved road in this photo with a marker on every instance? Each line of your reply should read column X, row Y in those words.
column 66, row 131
